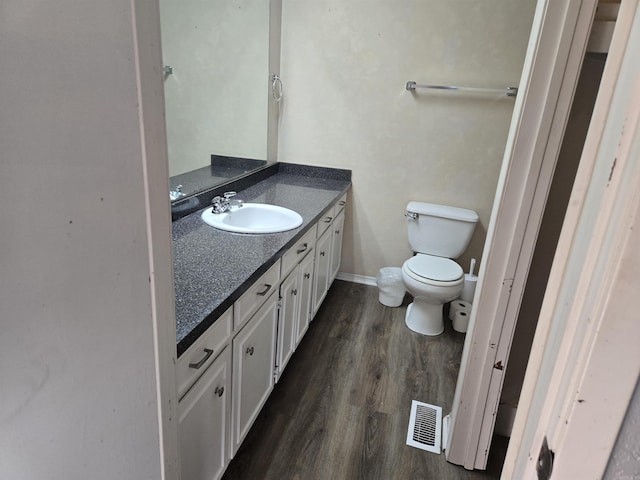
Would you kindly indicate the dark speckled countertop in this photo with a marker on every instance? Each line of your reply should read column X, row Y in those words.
column 212, row 268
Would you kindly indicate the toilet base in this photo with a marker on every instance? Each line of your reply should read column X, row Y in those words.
column 424, row 318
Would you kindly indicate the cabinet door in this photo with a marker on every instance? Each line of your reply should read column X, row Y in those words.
column 254, row 351
column 305, row 292
column 204, row 423
column 289, row 310
column 336, row 247
column 323, row 264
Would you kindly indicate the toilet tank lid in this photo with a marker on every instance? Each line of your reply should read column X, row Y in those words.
column 444, row 211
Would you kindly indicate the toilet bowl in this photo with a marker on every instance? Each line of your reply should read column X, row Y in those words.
column 433, row 281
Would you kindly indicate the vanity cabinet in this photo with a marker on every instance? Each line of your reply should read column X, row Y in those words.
column 204, row 415
column 226, row 376
column 254, row 354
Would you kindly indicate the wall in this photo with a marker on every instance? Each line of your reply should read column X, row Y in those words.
column 78, row 371
column 216, row 99
column 345, row 66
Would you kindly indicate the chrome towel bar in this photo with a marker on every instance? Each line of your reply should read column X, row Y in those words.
column 509, row 91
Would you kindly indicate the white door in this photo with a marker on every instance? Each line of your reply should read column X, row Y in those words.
column 287, row 319
column 323, row 265
column 204, row 423
column 552, row 66
column 336, row 247
column 306, row 293
column 254, row 354
column 584, row 362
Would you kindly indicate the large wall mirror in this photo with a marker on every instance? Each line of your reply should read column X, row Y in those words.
column 217, row 89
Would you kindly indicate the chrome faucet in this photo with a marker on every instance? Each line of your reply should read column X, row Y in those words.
column 177, row 193
column 223, row 203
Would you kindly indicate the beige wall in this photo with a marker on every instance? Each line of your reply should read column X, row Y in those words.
column 345, row 65
column 216, row 99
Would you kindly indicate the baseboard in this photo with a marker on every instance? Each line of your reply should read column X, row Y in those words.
column 350, row 277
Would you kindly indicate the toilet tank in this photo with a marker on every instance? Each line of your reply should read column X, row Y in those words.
column 439, row 229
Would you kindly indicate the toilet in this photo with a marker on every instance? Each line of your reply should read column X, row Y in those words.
column 437, row 233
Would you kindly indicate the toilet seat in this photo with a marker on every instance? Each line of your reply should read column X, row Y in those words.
column 433, row 270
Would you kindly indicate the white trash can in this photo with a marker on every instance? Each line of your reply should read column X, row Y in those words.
column 391, row 286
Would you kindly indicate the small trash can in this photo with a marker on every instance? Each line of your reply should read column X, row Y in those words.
column 391, row 286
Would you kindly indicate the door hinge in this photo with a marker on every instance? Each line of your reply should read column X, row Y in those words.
column 544, row 467
column 279, row 303
column 275, row 374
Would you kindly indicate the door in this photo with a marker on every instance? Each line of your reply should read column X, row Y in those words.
column 204, row 423
column 306, row 292
column 336, row 247
column 287, row 319
column 254, row 354
column 552, row 65
column 323, row 265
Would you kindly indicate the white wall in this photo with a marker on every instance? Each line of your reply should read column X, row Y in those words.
column 78, row 379
column 345, row 65
column 216, row 99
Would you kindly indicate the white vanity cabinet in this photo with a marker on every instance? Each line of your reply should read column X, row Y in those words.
column 254, row 354
column 226, row 376
column 204, row 416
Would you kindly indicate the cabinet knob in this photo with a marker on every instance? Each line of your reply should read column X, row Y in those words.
column 322, row 254
column 307, row 275
column 303, row 249
column 337, row 232
column 219, row 391
column 341, row 203
column 328, row 219
column 294, row 291
column 250, row 350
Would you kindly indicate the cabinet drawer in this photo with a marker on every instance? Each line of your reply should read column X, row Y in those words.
column 298, row 252
column 203, row 352
column 339, row 205
column 324, row 222
column 251, row 300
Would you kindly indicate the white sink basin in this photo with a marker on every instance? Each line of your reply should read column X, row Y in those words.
column 254, row 218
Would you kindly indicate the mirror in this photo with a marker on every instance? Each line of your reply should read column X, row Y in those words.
column 216, row 81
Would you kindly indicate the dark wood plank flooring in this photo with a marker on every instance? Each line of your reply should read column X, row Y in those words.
column 341, row 409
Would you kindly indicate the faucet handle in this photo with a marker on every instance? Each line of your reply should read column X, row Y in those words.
column 228, row 195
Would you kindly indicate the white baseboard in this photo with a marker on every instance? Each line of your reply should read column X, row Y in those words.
column 350, row 277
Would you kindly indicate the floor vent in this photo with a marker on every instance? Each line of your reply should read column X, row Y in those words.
column 425, row 427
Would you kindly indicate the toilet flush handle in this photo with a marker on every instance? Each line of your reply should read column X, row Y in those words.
column 411, row 215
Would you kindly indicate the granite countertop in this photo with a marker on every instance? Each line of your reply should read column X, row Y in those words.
column 212, row 268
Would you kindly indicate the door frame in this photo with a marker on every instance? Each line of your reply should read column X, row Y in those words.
column 552, row 65
column 584, row 364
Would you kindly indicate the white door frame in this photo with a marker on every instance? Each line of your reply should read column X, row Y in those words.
column 552, row 66
column 584, row 362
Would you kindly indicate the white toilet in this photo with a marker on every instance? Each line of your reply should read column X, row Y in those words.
column 436, row 233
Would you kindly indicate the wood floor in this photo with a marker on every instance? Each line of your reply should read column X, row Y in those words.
column 341, row 409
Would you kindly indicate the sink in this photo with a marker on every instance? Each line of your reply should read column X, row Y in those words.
column 253, row 218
